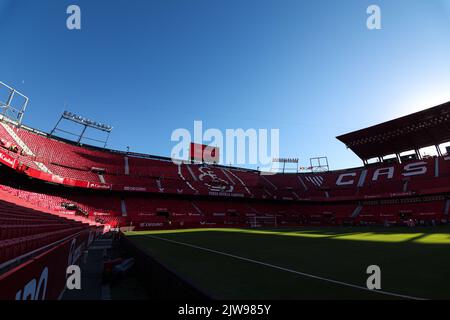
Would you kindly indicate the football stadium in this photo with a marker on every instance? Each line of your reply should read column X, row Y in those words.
column 80, row 220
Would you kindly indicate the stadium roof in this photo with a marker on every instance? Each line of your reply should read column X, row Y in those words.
column 421, row 129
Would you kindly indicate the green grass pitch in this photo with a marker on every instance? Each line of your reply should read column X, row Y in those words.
column 306, row 263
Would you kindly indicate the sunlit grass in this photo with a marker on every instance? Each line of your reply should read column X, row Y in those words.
column 380, row 237
column 436, row 238
column 336, row 234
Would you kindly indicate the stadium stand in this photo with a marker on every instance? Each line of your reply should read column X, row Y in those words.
column 120, row 171
column 57, row 195
column 31, row 238
column 144, row 191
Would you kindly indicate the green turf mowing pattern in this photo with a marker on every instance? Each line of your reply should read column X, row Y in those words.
column 414, row 262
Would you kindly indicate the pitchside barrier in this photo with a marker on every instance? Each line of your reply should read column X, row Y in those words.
column 44, row 277
column 160, row 281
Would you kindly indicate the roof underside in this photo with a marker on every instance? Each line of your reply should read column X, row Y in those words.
column 421, row 129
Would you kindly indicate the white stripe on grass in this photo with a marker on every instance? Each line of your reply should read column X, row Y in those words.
column 387, row 293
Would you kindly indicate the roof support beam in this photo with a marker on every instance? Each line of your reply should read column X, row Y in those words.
column 438, row 150
column 419, row 157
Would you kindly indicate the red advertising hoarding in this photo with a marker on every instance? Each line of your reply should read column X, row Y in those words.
column 44, row 276
column 7, row 160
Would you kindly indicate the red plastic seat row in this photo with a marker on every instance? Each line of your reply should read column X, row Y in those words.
column 16, row 231
column 12, row 248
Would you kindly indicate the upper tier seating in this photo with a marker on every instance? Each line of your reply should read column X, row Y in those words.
column 49, row 151
column 129, row 172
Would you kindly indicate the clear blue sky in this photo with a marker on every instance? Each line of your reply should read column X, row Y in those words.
column 310, row 68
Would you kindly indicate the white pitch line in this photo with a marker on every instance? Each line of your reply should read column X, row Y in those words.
column 289, row 270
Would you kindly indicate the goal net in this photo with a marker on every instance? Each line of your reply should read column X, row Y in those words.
column 263, row 221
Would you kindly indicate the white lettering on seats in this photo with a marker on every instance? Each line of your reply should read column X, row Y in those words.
column 389, row 172
column 414, row 169
column 340, row 179
column 213, row 182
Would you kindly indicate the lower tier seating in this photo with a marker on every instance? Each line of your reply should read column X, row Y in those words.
column 23, row 230
column 143, row 211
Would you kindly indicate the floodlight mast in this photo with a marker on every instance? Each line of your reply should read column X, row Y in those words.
column 286, row 160
column 9, row 110
column 85, row 122
column 319, row 164
column 82, row 134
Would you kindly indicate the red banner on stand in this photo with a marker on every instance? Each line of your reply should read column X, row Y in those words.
column 44, row 277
